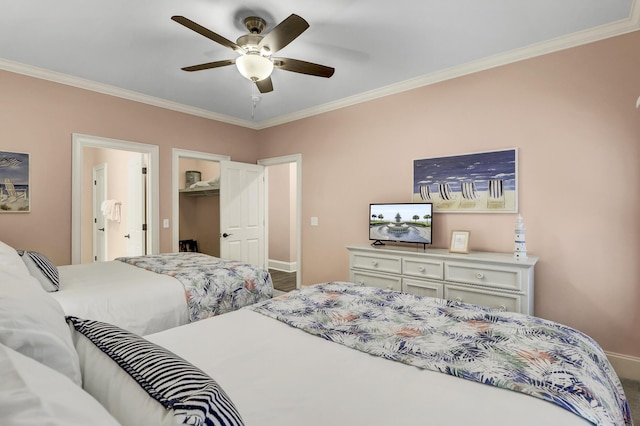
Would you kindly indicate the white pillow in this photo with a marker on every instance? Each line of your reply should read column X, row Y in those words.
column 34, row 394
column 33, row 323
column 10, row 261
column 41, row 268
column 141, row 383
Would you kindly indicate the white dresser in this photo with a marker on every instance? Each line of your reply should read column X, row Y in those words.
column 495, row 280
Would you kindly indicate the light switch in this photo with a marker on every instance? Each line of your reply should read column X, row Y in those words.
column 165, row 223
column 314, row 221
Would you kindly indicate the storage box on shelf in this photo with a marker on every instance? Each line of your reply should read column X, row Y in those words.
column 495, row 280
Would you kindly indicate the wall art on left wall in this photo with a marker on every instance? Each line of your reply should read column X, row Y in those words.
column 14, row 182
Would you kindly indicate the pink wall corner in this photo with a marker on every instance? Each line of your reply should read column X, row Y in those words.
column 572, row 116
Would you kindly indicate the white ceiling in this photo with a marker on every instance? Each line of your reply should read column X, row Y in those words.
column 132, row 49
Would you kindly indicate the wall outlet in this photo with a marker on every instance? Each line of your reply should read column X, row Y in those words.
column 165, row 223
column 314, row 221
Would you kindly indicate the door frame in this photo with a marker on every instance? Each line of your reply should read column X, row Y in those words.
column 80, row 141
column 97, row 212
column 176, row 155
column 136, row 182
column 274, row 161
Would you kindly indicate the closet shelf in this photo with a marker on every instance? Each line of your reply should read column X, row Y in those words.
column 202, row 191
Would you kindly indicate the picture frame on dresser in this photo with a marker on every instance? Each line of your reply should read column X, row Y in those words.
column 459, row 242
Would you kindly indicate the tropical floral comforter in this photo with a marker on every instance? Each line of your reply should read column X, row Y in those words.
column 213, row 286
column 509, row 350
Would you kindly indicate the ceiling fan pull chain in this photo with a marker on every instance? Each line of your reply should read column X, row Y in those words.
column 254, row 102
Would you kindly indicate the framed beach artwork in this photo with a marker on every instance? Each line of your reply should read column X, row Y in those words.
column 482, row 182
column 14, row 182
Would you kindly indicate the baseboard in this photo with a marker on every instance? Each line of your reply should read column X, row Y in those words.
column 283, row 266
column 626, row 366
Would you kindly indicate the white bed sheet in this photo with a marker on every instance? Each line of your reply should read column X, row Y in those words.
column 281, row 376
column 132, row 298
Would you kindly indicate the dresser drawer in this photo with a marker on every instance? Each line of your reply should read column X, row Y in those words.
column 380, row 263
column 472, row 273
column 374, row 280
column 490, row 299
column 423, row 268
column 422, row 287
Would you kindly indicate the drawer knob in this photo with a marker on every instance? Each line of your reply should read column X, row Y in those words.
column 479, row 275
column 360, row 282
column 421, row 268
column 459, row 299
column 374, row 263
column 502, row 308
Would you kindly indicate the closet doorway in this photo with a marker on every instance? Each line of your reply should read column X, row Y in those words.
column 288, row 188
column 196, row 211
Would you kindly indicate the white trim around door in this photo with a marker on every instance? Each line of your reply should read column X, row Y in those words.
column 79, row 142
column 286, row 159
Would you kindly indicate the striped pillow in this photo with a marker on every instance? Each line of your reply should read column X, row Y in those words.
column 192, row 396
column 42, row 269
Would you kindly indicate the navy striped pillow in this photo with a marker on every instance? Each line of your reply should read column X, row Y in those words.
column 42, row 268
column 194, row 397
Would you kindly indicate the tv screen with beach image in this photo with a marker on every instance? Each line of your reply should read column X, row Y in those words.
column 403, row 222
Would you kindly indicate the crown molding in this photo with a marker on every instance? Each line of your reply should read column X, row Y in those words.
column 106, row 89
column 561, row 43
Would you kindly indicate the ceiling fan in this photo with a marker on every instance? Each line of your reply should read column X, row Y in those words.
column 255, row 61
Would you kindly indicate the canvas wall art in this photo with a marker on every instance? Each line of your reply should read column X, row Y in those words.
column 482, row 182
column 14, row 182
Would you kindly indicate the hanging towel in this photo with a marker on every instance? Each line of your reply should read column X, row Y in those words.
column 111, row 210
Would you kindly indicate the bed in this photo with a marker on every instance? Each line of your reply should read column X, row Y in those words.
column 330, row 354
column 322, row 355
column 147, row 294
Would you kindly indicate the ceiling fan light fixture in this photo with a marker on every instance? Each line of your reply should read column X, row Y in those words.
column 254, row 67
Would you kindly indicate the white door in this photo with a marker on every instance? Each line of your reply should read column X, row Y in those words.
column 242, row 207
column 99, row 221
column 135, row 207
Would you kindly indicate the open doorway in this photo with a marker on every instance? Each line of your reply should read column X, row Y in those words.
column 141, row 198
column 187, row 221
column 199, row 206
column 284, row 193
column 293, row 163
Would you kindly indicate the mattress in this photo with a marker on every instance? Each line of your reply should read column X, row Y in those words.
column 278, row 375
column 132, row 298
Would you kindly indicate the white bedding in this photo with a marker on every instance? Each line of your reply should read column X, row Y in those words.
column 281, row 376
column 132, row 298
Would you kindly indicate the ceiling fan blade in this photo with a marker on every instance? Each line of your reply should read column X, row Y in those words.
column 284, row 33
column 303, row 67
column 265, row 85
column 207, row 33
column 210, row 65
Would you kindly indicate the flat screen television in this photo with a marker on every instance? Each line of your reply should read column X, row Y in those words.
column 400, row 223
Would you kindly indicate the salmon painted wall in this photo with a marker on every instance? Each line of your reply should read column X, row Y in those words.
column 39, row 117
column 572, row 117
column 571, row 114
